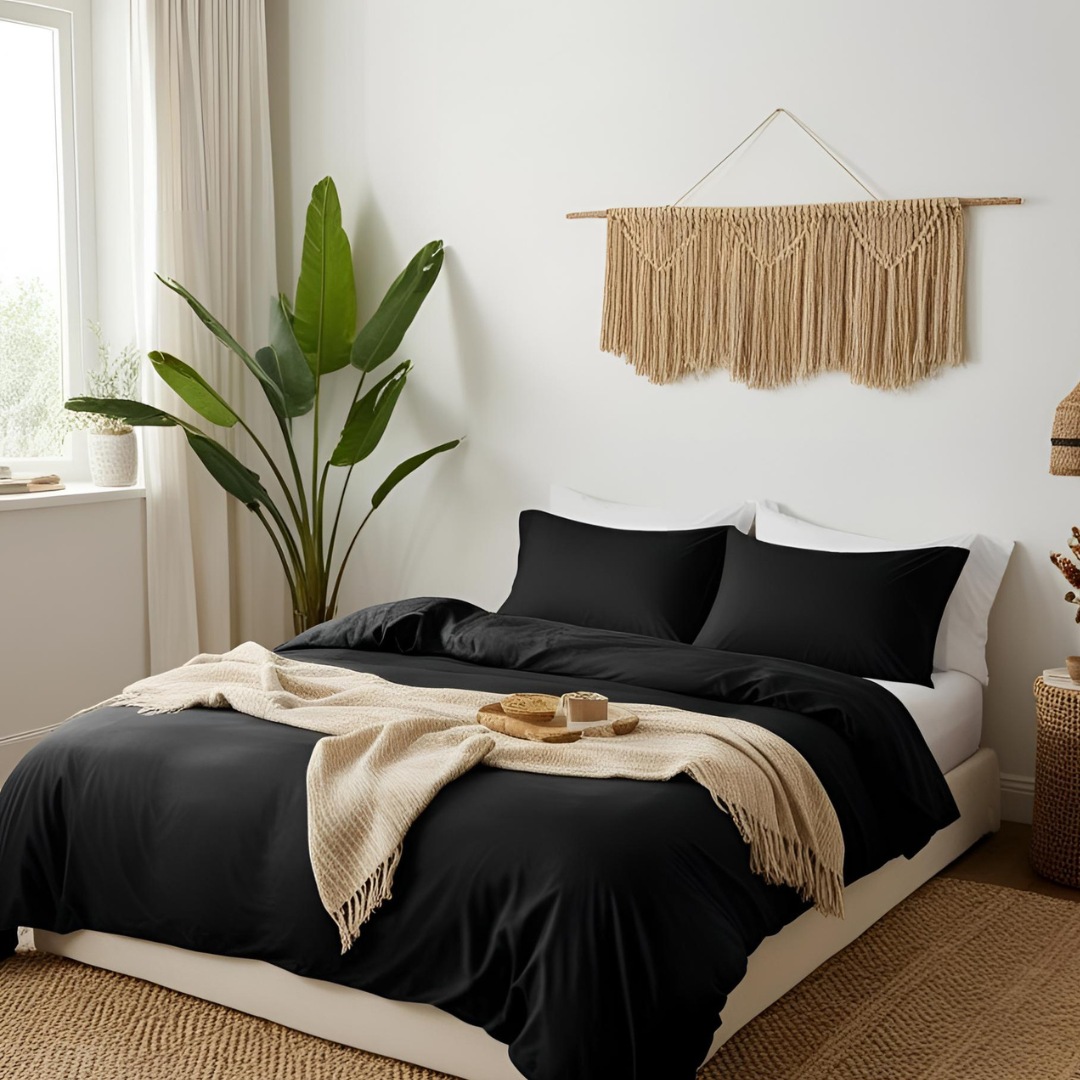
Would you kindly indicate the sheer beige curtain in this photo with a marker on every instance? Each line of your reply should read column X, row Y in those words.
column 204, row 215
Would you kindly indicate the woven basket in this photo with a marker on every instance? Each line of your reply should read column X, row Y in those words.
column 1055, row 824
column 1065, row 437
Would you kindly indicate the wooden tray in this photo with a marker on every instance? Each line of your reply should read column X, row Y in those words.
column 620, row 722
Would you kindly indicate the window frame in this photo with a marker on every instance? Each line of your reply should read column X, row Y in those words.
column 75, row 152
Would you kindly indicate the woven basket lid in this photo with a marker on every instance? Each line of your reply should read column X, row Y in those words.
column 1065, row 438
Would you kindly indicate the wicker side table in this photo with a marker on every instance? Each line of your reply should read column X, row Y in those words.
column 1055, row 823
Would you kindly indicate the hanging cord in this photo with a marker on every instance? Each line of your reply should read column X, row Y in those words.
column 761, row 127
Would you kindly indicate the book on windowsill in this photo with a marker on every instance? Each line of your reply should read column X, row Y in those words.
column 28, row 483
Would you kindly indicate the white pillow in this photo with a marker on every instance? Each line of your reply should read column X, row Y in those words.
column 961, row 640
column 576, row 505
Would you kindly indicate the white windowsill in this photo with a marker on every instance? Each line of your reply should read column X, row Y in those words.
column 76, row 491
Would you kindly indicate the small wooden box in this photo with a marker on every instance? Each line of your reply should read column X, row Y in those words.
column 584, row 707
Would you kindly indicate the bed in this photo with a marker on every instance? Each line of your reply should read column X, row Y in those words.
column 428, row 1036
column 592, row 927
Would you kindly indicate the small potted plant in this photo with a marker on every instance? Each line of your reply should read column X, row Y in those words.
column 111, row 443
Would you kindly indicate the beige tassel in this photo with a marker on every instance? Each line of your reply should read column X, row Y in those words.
column 366, row 901
column 778, row 294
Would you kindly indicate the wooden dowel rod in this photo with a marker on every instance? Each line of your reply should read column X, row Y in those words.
column 997, row 200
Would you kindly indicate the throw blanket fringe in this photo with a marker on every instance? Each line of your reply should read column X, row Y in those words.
column 392, row 748
column 782, row 861
column 366, row 900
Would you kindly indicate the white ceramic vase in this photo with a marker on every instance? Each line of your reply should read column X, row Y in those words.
column 114, row 459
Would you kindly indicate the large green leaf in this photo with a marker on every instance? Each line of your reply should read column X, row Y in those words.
column 284, row 361
column 130, row 412
column 324, row 315
column 193, row 389
column 382, row 333
column 368, row 418
column 273, row 391
column 236, row 478
column 209, row 321
column 409, row 465
column 267, row 359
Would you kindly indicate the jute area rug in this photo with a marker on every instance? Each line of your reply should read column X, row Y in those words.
column 962, row 982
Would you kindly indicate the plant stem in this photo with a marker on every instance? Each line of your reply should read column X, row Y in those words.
column 300, row 523
column 290, row 449
column 315, row 573
column 315, row 461
column 337, row 516
column 281, row 554
column 286, row 532
column 344, row 486
column 277, row 472
column 344, row 559
column 324, row 563
column 307, row 540
column 287, row 536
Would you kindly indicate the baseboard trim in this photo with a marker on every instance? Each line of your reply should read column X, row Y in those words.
column 1017, row 797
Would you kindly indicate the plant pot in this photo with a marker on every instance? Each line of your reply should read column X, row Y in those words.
column 114, row 458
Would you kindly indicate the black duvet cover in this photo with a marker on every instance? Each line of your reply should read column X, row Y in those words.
column 595, row 926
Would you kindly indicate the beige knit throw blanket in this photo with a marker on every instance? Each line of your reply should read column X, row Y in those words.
column 777, row 294
column 392, row 748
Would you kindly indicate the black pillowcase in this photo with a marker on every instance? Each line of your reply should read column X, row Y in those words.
column 660, row 584
column 874, row 614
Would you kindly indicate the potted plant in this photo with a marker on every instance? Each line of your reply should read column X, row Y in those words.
column 110, row 442
column 311, row 339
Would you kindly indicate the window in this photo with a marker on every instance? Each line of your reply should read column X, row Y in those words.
column 44, row 254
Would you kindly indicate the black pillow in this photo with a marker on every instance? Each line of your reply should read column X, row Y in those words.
column 870, row 613
column 656, row 583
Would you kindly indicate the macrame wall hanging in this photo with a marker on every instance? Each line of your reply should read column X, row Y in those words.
column 776, row 294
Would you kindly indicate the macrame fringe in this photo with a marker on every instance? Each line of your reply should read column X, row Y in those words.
column 778, row 294
column 350, row 918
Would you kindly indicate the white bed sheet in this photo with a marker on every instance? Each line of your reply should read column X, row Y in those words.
column 949, row 716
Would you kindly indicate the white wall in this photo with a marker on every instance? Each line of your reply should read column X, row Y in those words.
column 484, row 122
column 73, row 613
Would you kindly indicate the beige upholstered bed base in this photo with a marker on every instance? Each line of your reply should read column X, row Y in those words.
column 427, row 1036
